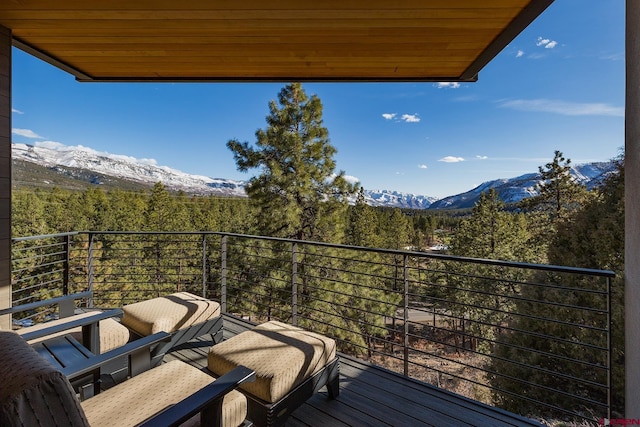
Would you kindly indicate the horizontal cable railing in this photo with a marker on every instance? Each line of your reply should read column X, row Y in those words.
column 534, row 339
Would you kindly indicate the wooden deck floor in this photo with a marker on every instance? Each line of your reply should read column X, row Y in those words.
column 373, row 396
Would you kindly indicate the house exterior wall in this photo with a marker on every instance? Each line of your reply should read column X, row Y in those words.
column 632, row 212
column 5, row 173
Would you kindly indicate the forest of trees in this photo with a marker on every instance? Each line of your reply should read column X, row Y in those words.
column 298, row 194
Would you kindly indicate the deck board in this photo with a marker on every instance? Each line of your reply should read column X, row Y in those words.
column 372, row 396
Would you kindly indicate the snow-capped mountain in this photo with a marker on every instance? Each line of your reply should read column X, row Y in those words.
column 125, row 167
column 60, row 157
column 513, row 190
column 397, row 199
column 144, row 171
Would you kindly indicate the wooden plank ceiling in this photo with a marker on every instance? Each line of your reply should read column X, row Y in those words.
column 260, row 40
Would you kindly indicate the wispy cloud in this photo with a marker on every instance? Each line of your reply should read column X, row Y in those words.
column 27, row 133
column 618, row 56
column 563, row 107
column 538, row 160
column 13, row 110
column 410, row 118
column 389, row 116
column 422, row 166
column 546, row 43
column 482, row 157
column 451, row 159
column 519, row 53
column 466, row 98
column 448, row 85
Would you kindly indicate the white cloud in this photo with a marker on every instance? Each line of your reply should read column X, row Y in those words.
column 482, row 157
column 150, row 162
column 27, row 133
column 351, row 179
column 13, row 110
column 520, row 53
column 448, row 85
column 564, row 107
column 389, row 116
column 542, row 42
column 422, row 166
column 410, row 118
column 451, row 159
column 546, row 43
column 51, row 145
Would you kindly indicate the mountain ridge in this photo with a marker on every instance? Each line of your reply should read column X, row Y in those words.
column 514, row 190
column 80, row 166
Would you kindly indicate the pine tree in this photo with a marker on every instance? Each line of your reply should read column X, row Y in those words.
column 362, row 229
column 481, row 294
column 28, row 214
column 168, row 258
column 297, row 194
column 558, row 195
column 590, row 237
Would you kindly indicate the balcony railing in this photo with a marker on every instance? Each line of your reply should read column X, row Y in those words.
column 534, row 339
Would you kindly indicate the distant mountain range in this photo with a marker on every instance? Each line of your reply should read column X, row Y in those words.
column 513, row 190
column 76, row 167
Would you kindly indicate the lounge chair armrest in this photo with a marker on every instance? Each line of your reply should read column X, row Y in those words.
column 208, row 398
column 44, row 303
column 72, row 323
column 129, row 349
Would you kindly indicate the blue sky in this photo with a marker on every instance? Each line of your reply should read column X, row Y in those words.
column 558, row 86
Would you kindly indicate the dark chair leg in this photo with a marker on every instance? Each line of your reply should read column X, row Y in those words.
column 333, row 387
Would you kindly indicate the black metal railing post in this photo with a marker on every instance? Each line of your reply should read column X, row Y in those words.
column 294, row 284
column 406, row 314
column 223, row 274
column 90, row 272
column 609, row 350
column 65, row 267
column 204, row 265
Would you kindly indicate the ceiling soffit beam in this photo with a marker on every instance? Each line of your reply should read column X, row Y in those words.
column 79, row 75
column 518, row 25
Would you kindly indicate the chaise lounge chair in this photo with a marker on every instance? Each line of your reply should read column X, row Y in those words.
column 34, row 392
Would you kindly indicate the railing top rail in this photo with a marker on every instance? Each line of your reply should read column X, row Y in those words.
column 513, row 264
column 45, row 236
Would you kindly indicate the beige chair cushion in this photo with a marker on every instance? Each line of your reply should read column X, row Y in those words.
column 281, row 355
column 33, row 392
column 112, row 333
column 169, row 313
column 144, row 395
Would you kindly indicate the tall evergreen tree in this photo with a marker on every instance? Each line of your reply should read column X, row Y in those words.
column 590, row 237
column 297, row 194
column 559, row 193
column 481, row 294
column 362, row 229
